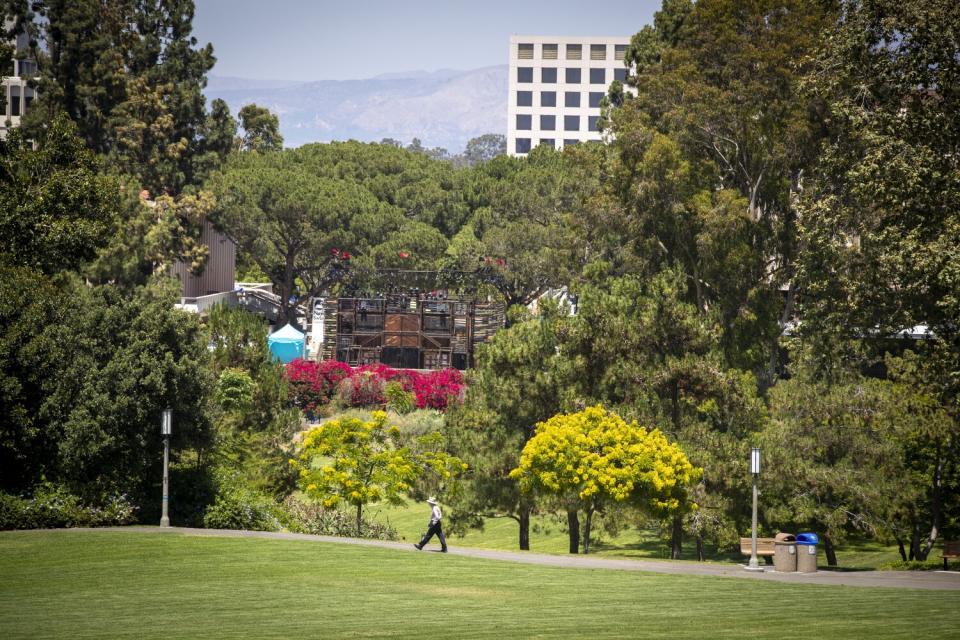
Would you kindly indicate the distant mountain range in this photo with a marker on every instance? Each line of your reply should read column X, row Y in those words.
column 442, row 108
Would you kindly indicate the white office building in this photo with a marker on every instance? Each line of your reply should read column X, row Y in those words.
column 556, row 84
column 19, row 95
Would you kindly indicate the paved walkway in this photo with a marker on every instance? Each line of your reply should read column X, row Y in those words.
column 944, row 580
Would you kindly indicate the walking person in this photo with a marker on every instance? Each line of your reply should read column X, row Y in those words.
column 435, row 527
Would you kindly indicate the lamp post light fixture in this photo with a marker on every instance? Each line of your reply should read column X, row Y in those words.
column 166, row 427
column 755, row 472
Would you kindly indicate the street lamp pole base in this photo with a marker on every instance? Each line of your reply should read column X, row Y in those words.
column 748, row 567
column 164, row 522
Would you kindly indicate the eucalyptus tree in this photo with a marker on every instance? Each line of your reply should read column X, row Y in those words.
column 719, row 137
column 880, row 223
column 261, row 129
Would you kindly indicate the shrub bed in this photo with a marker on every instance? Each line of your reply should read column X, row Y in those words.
column 315, row 384
column 312, row 518
column 53, row 506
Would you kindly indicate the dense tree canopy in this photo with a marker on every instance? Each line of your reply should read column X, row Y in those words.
column 56, row 207
column 86, row 375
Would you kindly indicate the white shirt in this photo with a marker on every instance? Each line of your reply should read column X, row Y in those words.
column 435, row 517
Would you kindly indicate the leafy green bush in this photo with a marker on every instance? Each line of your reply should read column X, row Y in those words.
column 192, row 490
column 312, row 518
column 239, row 507
column 399, row 399
column 52, row 506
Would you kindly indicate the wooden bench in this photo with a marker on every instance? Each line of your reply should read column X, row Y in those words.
column 951, row 549
column 764, row 546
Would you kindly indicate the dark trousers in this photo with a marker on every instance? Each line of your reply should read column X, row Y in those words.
column 434, row 528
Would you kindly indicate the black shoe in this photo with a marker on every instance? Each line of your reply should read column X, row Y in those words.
column 443, row 550
column 419, row 548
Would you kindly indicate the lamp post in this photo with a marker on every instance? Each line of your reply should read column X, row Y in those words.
column 166, row 426
column 755, row 471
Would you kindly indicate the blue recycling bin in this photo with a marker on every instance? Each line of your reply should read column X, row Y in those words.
column 807, row 552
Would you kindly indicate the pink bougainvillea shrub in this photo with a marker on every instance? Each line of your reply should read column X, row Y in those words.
column 437, row 389
column 364, row 388
column 315, row 384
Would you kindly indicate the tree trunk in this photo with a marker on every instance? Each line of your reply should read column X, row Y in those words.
column 524, row 518
column 700, row 555
column 287, row 291
column 586, row 531
column 770, row 376
column 573, row 526
column 359, row 519
column 830, row 551
column 915, row 542
column 676, row 537
column 935, row 508
column 902, row 549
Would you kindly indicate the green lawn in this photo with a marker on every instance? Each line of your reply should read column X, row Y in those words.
column 72, row 584
column 548, row 535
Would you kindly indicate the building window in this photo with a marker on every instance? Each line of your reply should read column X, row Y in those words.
column 574, row 52
column 549, row 142
column 573, row 76
column 595, row 98
column 592, row 123
column 598, row 76
column 14, row 101
column 523, row 145
column 620, row 74
column 598, row 52
column 524, row 74
column 571, row 123
column 567, row 142
column 548, row 75
column 548, row 123
column 525, row 51
column 549, row 52
column 548, row 98
column 619, row 51
column 524, row 98
column 571, row 99
column 26, row 104
column 524, row 121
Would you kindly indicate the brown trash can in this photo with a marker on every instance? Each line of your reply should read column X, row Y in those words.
column 785, row 552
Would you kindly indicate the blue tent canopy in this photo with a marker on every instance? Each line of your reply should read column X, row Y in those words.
column 286, row 344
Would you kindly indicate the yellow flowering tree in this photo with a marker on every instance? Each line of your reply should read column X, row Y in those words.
column 359, row 462
column 594, row 457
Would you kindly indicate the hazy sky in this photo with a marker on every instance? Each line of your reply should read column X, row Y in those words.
column 343, row 39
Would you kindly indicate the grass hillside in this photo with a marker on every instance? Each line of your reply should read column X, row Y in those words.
column 82, row 584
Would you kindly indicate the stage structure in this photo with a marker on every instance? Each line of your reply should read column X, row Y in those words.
column 404, row 326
